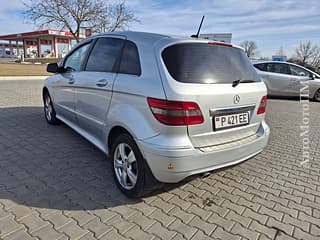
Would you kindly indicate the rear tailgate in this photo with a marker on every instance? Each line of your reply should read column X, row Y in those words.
column 217, row 101
column 204, row 73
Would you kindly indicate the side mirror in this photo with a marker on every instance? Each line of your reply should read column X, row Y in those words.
column 312, row 76
column 52, row 68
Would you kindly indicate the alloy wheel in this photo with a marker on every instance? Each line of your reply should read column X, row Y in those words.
column 125, row 166
column 48, row 108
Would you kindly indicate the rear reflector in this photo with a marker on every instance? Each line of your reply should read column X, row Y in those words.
column 220, row 44
column 176, row 113
column 263, row 105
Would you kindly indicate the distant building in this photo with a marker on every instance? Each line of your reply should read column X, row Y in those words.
column 41, row 43
column 279, row 58
column 220, row 37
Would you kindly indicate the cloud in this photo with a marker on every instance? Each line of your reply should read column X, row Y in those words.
column 271, row 23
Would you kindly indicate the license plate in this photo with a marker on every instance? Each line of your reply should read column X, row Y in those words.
column 231, row 120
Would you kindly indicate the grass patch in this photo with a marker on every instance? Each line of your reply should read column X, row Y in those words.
column 16, row 69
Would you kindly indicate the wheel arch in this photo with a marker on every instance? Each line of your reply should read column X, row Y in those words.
column 44, row 91
column 315, row 92
column 151, row 183
column 114, row 132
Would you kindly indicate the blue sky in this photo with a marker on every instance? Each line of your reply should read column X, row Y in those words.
column 270, row 23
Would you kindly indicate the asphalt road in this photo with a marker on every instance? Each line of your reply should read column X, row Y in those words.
column 7, row 60
column 56, row 185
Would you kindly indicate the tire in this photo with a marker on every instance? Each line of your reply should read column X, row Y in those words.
column 49, row 112
column 316, row 96
column 131, row 172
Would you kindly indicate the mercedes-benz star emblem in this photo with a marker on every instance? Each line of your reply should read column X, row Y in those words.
column 236, row 99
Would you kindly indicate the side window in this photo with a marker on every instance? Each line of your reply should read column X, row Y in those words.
column 278, row 68
column 75, row 60
column 104, row 55
column 130, row 62
column 296, row 71
column 261, row 66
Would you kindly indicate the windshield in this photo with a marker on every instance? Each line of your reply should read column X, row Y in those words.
column 206, row 63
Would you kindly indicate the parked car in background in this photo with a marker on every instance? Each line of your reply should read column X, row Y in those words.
column 163, row 108
column 287, row 79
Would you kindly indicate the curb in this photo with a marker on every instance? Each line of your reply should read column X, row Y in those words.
column 20, row 78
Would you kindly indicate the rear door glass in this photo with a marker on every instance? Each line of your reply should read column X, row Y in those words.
column 104, row 55
column 205, row 63
column 278, row 68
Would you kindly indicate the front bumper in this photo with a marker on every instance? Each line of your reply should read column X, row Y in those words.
column 190, row 161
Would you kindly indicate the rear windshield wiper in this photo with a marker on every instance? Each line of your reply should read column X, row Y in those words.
column 236, row 82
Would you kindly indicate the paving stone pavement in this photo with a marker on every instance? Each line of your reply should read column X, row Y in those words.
column 56, row 185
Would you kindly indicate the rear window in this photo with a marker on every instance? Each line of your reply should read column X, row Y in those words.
column 205, row 63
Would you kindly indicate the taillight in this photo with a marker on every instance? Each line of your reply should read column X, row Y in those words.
column 175, row 113
column 263, row 105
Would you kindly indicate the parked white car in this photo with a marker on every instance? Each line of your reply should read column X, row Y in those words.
column 288, row 79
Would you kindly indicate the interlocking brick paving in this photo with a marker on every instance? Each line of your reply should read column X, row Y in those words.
column 56, row 185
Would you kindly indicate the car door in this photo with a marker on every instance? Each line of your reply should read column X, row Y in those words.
column 299, row 79
column 63, row 85
column 278, row 78
column 93, row 88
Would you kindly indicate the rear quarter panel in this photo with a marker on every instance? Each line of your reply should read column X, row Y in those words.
column 129, row 107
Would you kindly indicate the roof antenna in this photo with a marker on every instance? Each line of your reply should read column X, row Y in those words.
column 197, row 35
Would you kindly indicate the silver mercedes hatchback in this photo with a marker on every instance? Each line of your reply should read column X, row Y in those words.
column 162, row 107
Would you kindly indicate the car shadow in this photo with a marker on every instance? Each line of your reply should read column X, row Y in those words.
column 47, row 166
column 53, row 167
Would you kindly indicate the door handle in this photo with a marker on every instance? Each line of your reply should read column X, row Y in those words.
column 71, row 80
column 102, row 83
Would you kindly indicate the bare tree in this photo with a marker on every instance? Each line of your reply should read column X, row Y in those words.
column 306, row 51
column 76, row 14
column 315, row 63
column 250, row 48
column 116, row 18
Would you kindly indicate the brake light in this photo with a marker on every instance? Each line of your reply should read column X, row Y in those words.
column 263, row 105
column 176, row 113
column 220, row 44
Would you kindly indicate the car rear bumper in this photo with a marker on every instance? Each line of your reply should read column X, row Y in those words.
column 173, row 165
